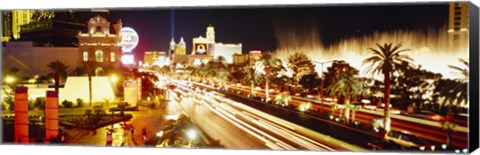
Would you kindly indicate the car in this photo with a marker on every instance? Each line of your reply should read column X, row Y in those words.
column 424, row 114
column 408, row 141
column 365, row 105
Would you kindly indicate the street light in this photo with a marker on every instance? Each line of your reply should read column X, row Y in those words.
column 321, row 83
column 159, row 134
column 192, row 135
column 9, row 79
column 114, row 78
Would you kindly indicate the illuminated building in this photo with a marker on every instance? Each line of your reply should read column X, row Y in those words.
column 206, row 49
column 12, row 21
column 20, row 17
column 6, row 26
column 458, row 25
column 242, row 58
column 178, row 52
column 57, row 28
column 99, row 44
column 129, row 40
column 155, row 58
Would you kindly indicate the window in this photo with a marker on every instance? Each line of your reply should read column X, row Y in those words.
column 457, row 13
column 85, row 56
column 457, row 18
column 112, row 56
column 99, row 56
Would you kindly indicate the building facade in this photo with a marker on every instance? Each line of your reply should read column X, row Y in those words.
column 98, row 44
column 458, row 25
column 32, row 60
column 205, row 49
column 243, row 58
column 155, row 58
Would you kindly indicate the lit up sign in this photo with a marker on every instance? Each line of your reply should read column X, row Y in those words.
column 127, row 59
column 197, row 62
column 129, row 39
column 200, row 49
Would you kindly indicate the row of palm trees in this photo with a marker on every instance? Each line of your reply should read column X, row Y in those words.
column 386, row 60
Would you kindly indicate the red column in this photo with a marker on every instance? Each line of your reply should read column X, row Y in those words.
column 21, row 115
column 51, row 112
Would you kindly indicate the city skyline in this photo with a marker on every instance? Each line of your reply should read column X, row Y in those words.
column 365, row 77
column 256, row 28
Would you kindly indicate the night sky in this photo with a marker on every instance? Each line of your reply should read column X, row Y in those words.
column 255, row 26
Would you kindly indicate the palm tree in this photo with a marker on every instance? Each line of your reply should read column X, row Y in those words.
column 347, row 86
column 282, row 98
column 300, row 65
column 458, row 91
column 385, row 60
column 271, row 64
column 90, row 67
column 253, row 74
column 58, row 68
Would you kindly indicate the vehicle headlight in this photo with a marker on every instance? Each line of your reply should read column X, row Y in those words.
column 422, row 148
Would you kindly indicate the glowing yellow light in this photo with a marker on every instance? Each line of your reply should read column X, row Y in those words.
column 113, row 78
column 9, row 79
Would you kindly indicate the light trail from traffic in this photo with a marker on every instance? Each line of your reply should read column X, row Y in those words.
column 275, row 132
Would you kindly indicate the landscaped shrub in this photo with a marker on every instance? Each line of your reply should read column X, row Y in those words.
column 67, row 104
column 31, row 104
column 80, row 102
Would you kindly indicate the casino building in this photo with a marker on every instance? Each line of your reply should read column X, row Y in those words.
column 178, row 52
column 205, row 49
column 99, row 43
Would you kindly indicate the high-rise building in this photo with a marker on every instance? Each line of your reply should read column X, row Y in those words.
column 206, row 49
column 6, row 26
column 19, row 18
column 458, row 25
column 178, row 52
column 155, row 58
column 181, row 48
column 210, row 34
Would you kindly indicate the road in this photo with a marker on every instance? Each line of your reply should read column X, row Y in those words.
column 148, row 118
column 428, row 129
column 218, row 128
column 273, row 132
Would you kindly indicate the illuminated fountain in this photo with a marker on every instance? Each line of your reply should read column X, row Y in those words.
column 432, row 50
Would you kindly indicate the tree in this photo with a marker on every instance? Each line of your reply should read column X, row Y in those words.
column 385, row 60
column 58, row 68
column 271, row 65
column 300, row 65
column 310, row 81
column 459, row 93
column 79, row 71
column 282, row 99
column 90, row 67
column 11, row 78
column 347, row 86
column 253, row 74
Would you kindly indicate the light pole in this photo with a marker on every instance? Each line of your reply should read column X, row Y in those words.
column 321, row 83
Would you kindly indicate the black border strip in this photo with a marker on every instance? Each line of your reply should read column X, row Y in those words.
column 474, row 84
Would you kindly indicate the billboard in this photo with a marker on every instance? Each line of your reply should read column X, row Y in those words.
column 201, row 49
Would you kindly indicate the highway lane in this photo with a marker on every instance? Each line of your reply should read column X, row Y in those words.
column 218, row 128
column 278, row 133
